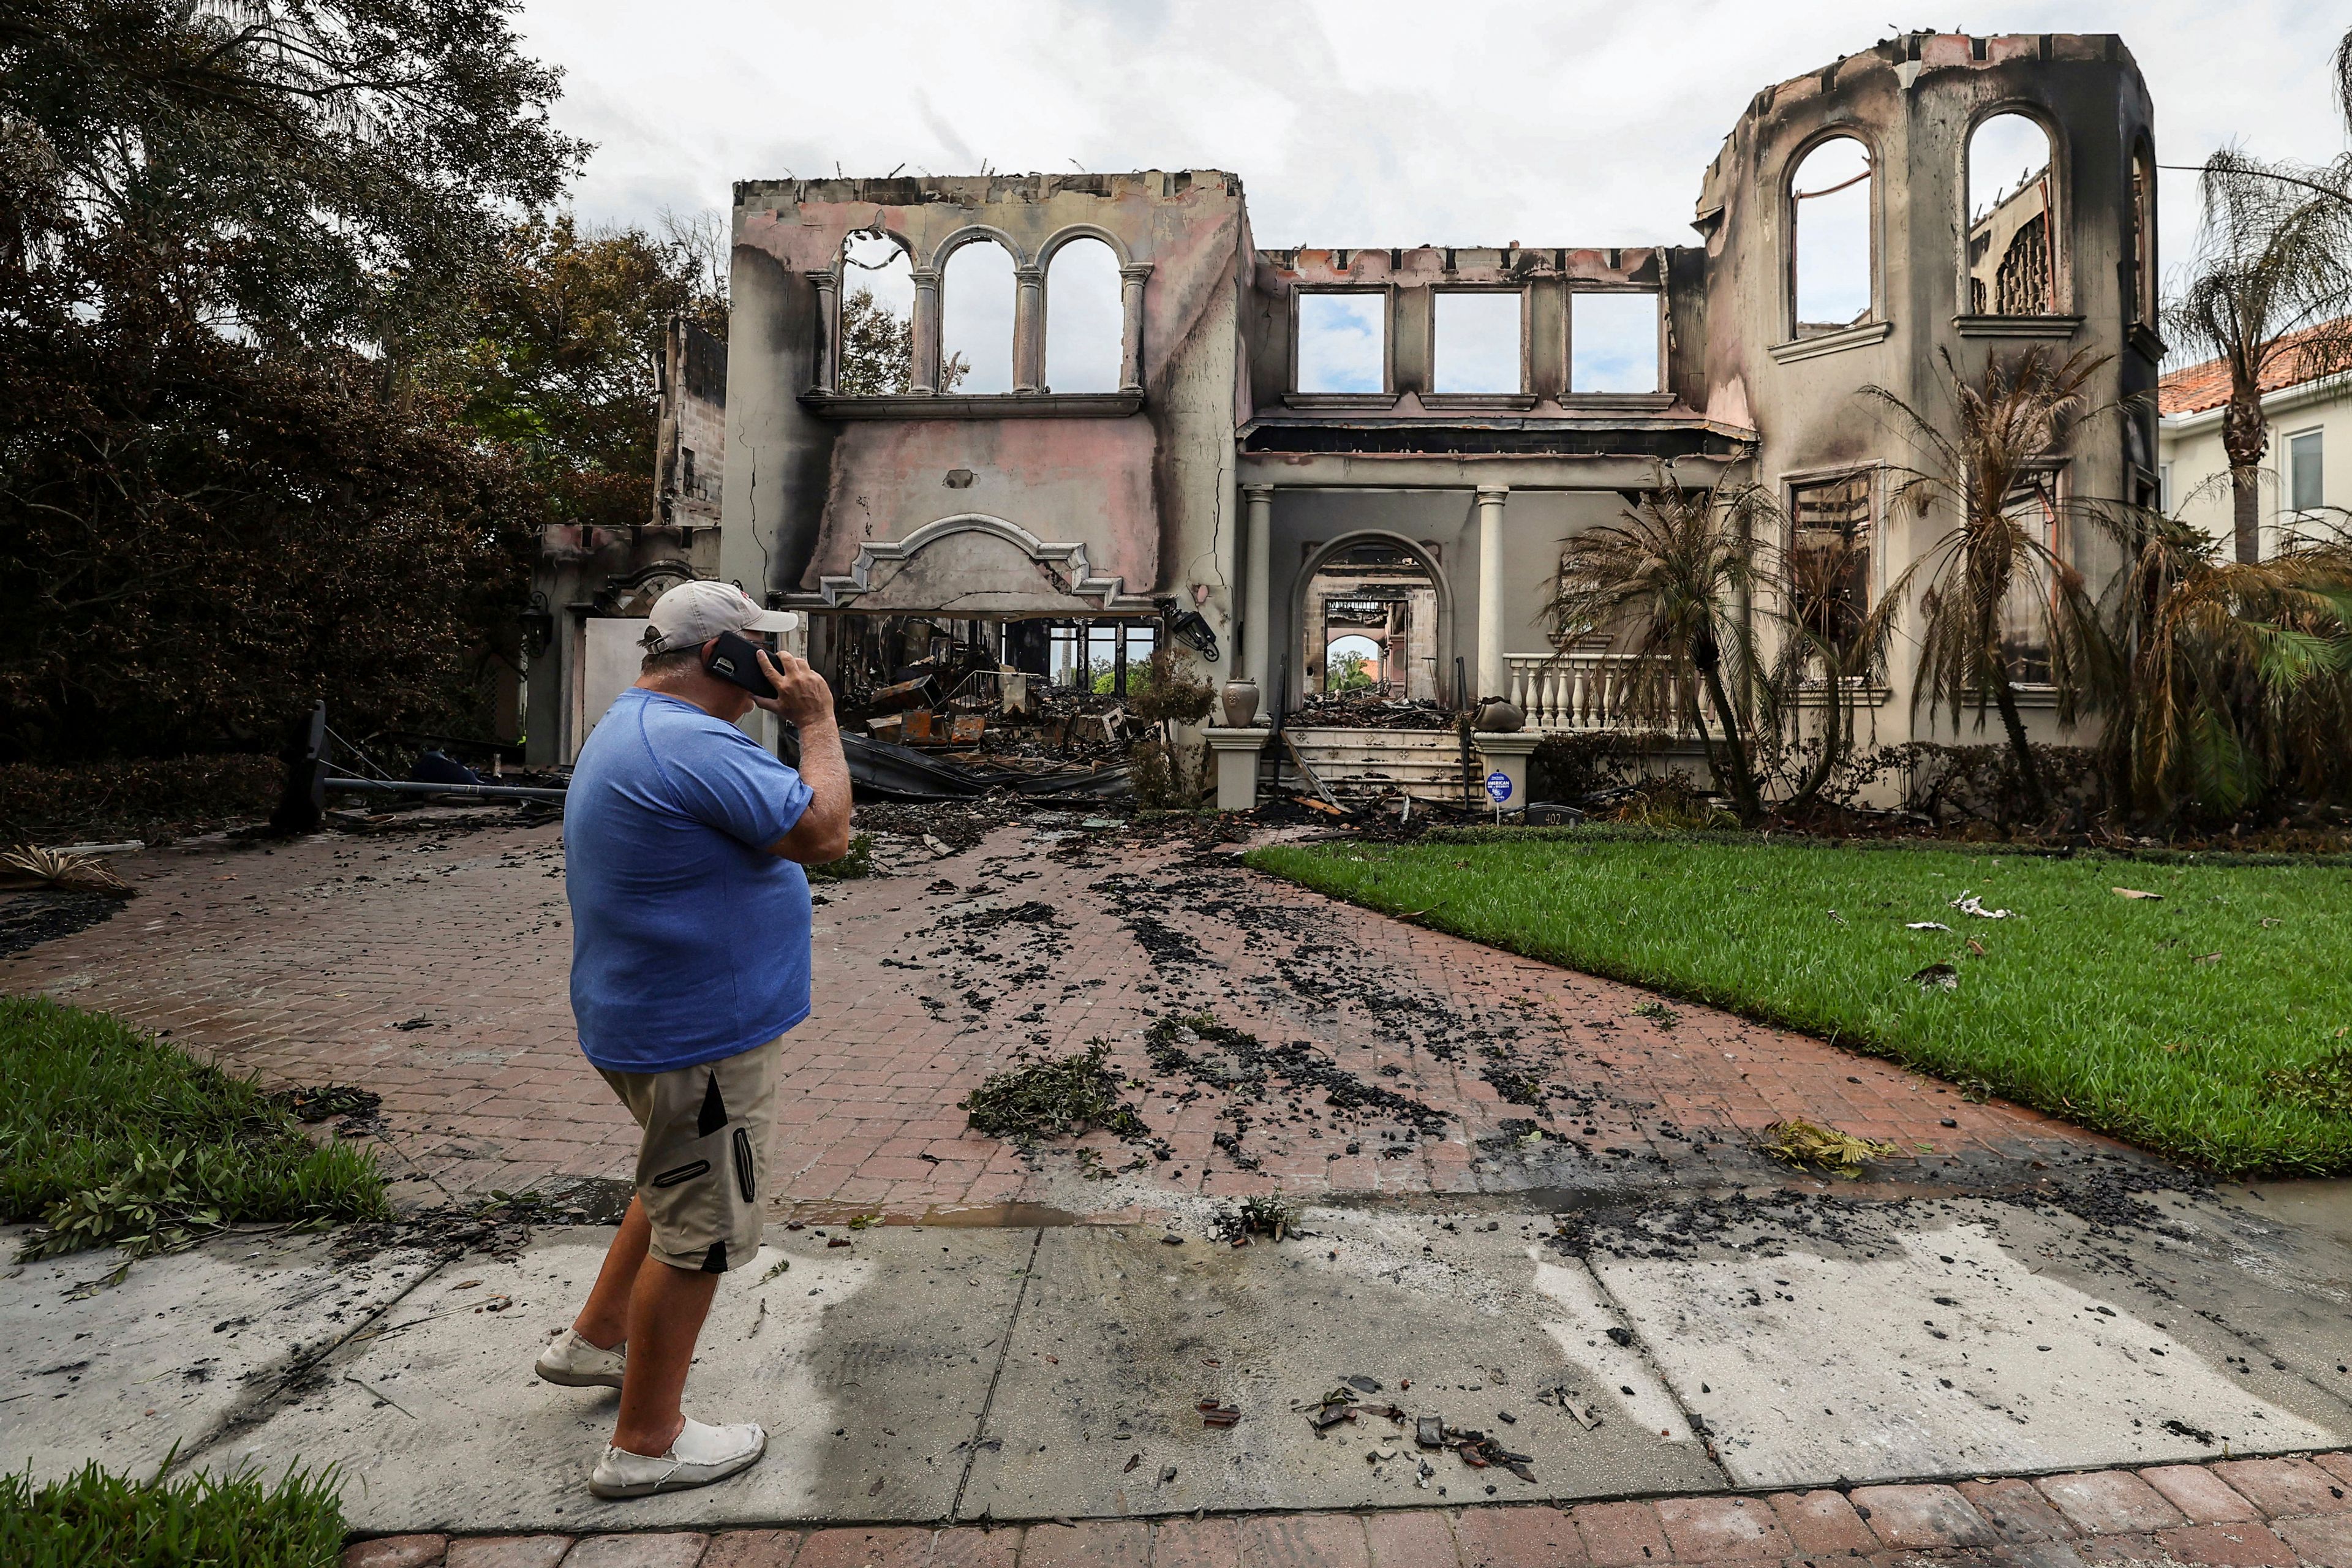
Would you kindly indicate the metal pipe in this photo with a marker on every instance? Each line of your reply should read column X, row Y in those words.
column 483, row 792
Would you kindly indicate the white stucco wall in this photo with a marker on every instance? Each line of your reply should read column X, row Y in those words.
column 2197, row 473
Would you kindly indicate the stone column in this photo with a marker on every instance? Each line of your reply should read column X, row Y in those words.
column 1489, row 672
column 923, row 376
column 1236, row 754
column 1132, row 279
column 1028, row 328
column 1257, row 594
column 1506, row 755
column 828, row 328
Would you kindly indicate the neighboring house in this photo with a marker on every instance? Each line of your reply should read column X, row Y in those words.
column 1265, row 425
column 2310, row 419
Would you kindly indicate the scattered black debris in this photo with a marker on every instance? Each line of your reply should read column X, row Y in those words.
column 357, row 1112
column 28, row 920
column 1214, row 1413
column 2194, row 1434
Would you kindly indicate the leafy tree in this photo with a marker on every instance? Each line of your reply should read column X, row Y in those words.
column 1997, row 597
column 1667, row 585
column 230, row 232
column 1348, row 671
column 877, row 351
column 567, row 334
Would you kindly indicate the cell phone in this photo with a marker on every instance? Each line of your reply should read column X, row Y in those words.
column 735, row 658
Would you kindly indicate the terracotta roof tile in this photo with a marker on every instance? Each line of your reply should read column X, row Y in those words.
column 2195, row 388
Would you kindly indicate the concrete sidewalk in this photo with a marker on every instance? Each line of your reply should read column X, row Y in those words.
column 1767, row 1340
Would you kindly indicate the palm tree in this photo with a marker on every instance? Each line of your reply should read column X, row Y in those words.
column 2268, row 292
column 1667, row 586
column 1998, row 598
column 2241, row 673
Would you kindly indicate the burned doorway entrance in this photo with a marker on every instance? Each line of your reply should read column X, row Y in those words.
column 1370, row 623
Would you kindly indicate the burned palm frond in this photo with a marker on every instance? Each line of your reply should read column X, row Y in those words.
column 26, row 865
column 1028, row 1105
column 1810, row 1145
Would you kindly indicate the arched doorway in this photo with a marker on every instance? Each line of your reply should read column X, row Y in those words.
column 1375, row 607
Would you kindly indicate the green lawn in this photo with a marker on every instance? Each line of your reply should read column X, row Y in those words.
column 95, row 1518
column 2214, row 1025
column 112, row 1137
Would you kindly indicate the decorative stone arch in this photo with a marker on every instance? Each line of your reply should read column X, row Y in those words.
column 1813, row 142
column 1062, row 237
column 970, row 234
column 1296, row 694
column 975, row 564
column 832, row 285
column 2062, row 196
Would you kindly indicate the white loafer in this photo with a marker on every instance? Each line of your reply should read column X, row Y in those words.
column 699, row 1456
column 575, row 1364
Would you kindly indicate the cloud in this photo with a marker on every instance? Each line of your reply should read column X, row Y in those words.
column 1351, row 123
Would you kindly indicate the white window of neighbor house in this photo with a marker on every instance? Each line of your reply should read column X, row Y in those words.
column 1829, row 260
column 1343, row 342
column 1083, row 320
column 877, row 317
column 1477, row 342
column 976, row 319
column 2305, row 488
column 1612, row 343
column 2013, row 219
column 2164, row 488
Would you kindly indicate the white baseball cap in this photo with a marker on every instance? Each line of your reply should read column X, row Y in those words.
column 693, row 612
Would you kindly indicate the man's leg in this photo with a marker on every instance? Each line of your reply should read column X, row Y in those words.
column 666, row 1313
column 604, row 1321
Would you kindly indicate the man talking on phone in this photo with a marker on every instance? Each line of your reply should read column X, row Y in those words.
column 683, row 844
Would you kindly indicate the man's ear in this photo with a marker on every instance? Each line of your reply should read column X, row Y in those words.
column 707, row 649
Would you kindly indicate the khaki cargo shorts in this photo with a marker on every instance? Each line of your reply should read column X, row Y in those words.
column 704, row 1157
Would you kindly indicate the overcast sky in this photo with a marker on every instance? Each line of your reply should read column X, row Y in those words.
column 1350, row 123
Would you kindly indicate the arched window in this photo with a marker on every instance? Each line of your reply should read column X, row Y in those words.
column 2143, row 220
column 1082, row 318
column 976, row 319
column 877, row 317
column 2012, row 250
column 1830, row 263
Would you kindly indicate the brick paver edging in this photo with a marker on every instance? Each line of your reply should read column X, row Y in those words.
column 2241, row 1513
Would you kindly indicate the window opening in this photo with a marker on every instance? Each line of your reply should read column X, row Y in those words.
column 1477, row 342
column 1083, row 319
column 1829, row 559
column 1612, row 343
column 1343, row 342
column 976, row 316
column 2012, row 263
column 1831, row 250
column 2305, row 489
column 2143, row 221
column 877, row 318
column 2025, row 614
column 1372, row 625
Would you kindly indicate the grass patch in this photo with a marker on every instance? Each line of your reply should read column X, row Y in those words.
column 108, row 1137
column 94, row 1518
column 2208, row 1024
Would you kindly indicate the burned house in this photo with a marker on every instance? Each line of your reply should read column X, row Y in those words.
column 1296, row 446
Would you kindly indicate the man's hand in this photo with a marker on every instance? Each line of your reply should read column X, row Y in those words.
column 802, row 695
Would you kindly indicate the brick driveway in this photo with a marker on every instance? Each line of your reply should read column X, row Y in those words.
column 1387, row 1058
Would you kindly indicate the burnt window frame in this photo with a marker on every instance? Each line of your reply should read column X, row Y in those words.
column 1661, row 390
column 2058, row 216
column 1790, row 323
column 1437, row 342
column 1869, row 477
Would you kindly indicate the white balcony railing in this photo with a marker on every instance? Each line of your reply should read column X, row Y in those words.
column 1580, row 688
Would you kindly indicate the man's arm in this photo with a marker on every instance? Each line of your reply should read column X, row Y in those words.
column 822, row 835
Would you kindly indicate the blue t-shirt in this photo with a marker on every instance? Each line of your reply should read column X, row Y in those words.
column 690, row 941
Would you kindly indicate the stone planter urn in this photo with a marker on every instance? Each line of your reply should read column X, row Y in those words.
column 1500, row 716
column 1240, row 700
